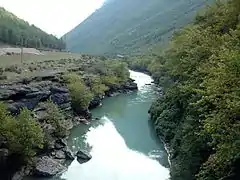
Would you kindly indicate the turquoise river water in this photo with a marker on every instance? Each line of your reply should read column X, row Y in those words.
column 122, row 143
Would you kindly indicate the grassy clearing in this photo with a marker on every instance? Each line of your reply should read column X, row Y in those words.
column 31, row 58
column 11, row 67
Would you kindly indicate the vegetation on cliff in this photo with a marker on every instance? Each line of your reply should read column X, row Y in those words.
column 55, row 117
column 16, row 31
column 23, row 134
column 198, row 114
column 80, row 93
column 56, row 92
column 102, row 76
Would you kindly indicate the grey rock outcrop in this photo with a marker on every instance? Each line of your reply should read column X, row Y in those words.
column 60, row 155
column 48, row 167
column 129, row 86
column 69, row 154
column 29, row 95
column 83, row 157
column 33, row 93
column 60, row 143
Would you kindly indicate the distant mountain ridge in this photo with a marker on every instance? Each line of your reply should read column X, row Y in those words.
column 15, row 31
column 129, row 27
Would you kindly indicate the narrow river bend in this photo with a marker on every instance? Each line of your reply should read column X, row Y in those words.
column 123, row 142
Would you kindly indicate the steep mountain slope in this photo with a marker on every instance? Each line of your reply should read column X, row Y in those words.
column 16, row 31
column 123, row 26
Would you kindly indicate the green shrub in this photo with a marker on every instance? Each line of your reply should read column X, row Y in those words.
column 24, row 135
column 56, row 119
column 110, row 80
column 32, row 68
column 80, row 93
column 96, row 85
column 112, row 69
column 3, row 77
column 13, row 68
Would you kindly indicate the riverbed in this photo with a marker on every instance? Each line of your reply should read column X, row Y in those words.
column 123, row 143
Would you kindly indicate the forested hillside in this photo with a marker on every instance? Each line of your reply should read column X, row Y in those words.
column 15, row 31
column 129, row 27
column 199, row 114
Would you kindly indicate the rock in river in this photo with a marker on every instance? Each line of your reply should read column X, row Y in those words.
column 47, row 167
column 83, row 157
column 69, row 154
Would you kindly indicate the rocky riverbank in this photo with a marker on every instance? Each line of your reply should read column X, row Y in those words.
column 33, row 94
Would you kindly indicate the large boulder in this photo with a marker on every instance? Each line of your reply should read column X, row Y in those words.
column 83, row 157
column 60, row 143
column 69, row 154
column 47, row 167
column 60, row 155
column 130, row 86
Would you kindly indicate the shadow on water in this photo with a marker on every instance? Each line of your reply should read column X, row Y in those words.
column 162, row 154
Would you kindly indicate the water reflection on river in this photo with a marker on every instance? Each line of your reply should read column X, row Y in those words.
column 122, row 143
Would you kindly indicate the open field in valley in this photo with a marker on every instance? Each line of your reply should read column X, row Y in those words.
column 11, row 67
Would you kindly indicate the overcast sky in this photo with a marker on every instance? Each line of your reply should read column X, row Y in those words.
column 53, row 16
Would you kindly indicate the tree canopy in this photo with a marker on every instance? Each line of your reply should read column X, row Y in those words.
column 18, row 32
column 24, row 135
column 199, row 112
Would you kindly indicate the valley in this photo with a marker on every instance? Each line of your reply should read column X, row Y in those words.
column 139, row 90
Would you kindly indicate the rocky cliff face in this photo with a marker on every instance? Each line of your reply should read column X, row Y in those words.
column 33, row 93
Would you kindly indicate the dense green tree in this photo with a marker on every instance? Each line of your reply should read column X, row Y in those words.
column 55, row 117
column 97, row 87
column 16, row 31
column 24, row 135
column 80, row 93
column 198, row 115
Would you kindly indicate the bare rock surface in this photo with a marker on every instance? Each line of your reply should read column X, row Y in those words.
column 48, row 167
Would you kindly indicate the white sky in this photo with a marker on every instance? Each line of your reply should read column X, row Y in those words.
column 56, row 17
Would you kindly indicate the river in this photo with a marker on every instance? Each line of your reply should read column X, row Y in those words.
column 122, row 143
